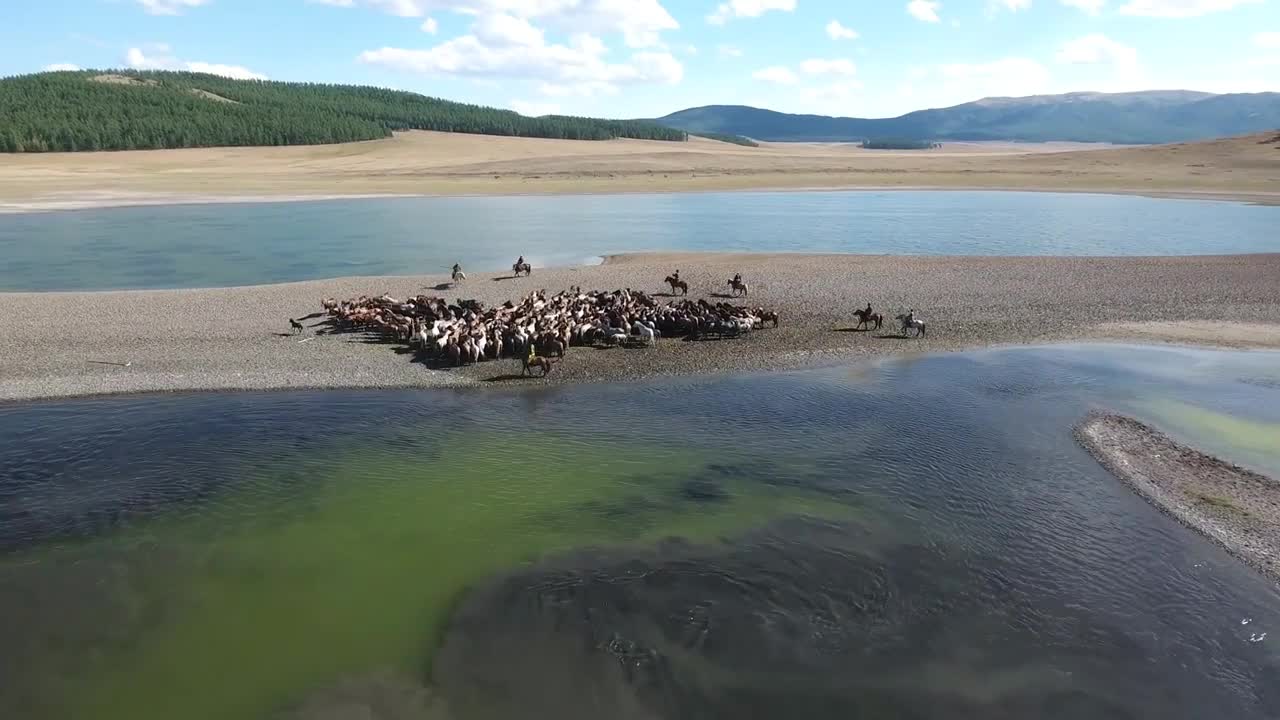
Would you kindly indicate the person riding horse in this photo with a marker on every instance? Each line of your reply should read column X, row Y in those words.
column 737, row 278
column 520, row 261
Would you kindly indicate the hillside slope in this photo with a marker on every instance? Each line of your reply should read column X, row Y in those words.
column 1124, row 118
column 119, row 110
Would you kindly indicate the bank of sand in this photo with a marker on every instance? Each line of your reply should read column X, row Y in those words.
column 65, row 344
column 1232, row 506
column 430, row 163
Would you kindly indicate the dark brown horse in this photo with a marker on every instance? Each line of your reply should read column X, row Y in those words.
column 537, row 361
column 866, row 317
column 677, row 284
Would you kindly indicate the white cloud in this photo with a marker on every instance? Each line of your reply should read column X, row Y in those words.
column 1091, row 7
column 1123, row 71
column 169, row 7
column 1014, row 5
column 1180, row 8
column 61, row 67
column 828, row 67
column 501, row 45
column 1096, row 49
column 1267, row 40
column 138, row 60
column 640, row 22
column 399, row 8
column 534, row 109
column 837, row 31
column 1007, row 77
column 777, row 75
column 690, row 49
column 924, row 10
column 728, row 51
column 430, row 26
column 748, row 9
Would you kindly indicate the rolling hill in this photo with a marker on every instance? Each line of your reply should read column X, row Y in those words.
column 1157, row 116
column 130, row 110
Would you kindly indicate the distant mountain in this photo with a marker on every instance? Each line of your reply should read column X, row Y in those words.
column 1155, row 116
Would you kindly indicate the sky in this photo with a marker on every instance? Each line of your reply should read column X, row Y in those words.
column 646, row 58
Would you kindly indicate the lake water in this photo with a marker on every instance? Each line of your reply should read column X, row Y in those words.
column 919, row 538
column 247, row 244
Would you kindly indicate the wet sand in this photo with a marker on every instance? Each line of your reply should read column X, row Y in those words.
column 69, row 344
column 429, row 163
column 1231, row 506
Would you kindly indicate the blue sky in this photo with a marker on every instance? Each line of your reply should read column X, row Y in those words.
column 644, row 58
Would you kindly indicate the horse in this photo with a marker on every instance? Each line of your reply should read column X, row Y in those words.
column 866, row 317
column 458, row 275
column 536, row 361
column 295, row 326
column 911, row 322
column 738, row 287
column 521, row 267
column 677, row 284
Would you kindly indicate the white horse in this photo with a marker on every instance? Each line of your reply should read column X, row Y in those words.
column 647, row 334
column 911, row 322
column 458, row 275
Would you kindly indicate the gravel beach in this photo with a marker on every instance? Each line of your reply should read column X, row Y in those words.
column 70, row 344
column 1233, row 507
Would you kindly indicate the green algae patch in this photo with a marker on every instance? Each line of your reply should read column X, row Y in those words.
column 1245, row 440
column 259, row 601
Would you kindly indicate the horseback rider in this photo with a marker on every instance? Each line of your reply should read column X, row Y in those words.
column 676, row 275
column 457, row 269
column 737, row 278
column 520, row 262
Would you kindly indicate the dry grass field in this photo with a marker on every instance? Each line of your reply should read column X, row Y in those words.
column 429, row 163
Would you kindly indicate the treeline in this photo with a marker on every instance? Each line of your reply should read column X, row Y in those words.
column 735, row 139
column 130, row 110
column 899, row 144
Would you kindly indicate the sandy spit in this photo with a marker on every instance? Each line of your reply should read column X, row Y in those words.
column 75, row 343
column 1233, row 507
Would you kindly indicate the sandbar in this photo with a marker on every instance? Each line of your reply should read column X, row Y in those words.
column 1234, row 507
column 65, row 344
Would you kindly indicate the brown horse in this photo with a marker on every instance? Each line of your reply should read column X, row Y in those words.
column 537, row 361
column 677, row 284
column 866, row 317
column 738, row 286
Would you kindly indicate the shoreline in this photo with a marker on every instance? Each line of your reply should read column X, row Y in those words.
column 1233, row 507
column 44, row 204
column 132, row 341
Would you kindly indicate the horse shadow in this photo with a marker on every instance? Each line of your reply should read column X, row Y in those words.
column 500, row 278
column 439, row 287
column 896, row 336
column 508, row 377
column 724, row 296
column 663, row 294
column 853, row 329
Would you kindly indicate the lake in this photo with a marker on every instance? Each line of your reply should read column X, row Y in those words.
column 246, row 244
column 915, row 538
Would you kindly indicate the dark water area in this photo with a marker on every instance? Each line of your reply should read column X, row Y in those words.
column 189, row 246
column 919, row 538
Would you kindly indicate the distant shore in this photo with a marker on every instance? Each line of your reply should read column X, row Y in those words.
column 75, row 344
column 106, row 199
column 1231, row 506
column 446, row 164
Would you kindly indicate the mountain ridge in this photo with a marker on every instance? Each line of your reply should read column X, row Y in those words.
column 1143, row 117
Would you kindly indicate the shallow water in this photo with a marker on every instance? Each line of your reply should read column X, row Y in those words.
column 919, row 539
column 248, row 244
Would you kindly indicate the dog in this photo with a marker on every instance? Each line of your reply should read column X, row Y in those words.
column 537, row 361
column 295, row 326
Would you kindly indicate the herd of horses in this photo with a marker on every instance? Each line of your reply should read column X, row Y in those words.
column 541, row 327
column 538, row 329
